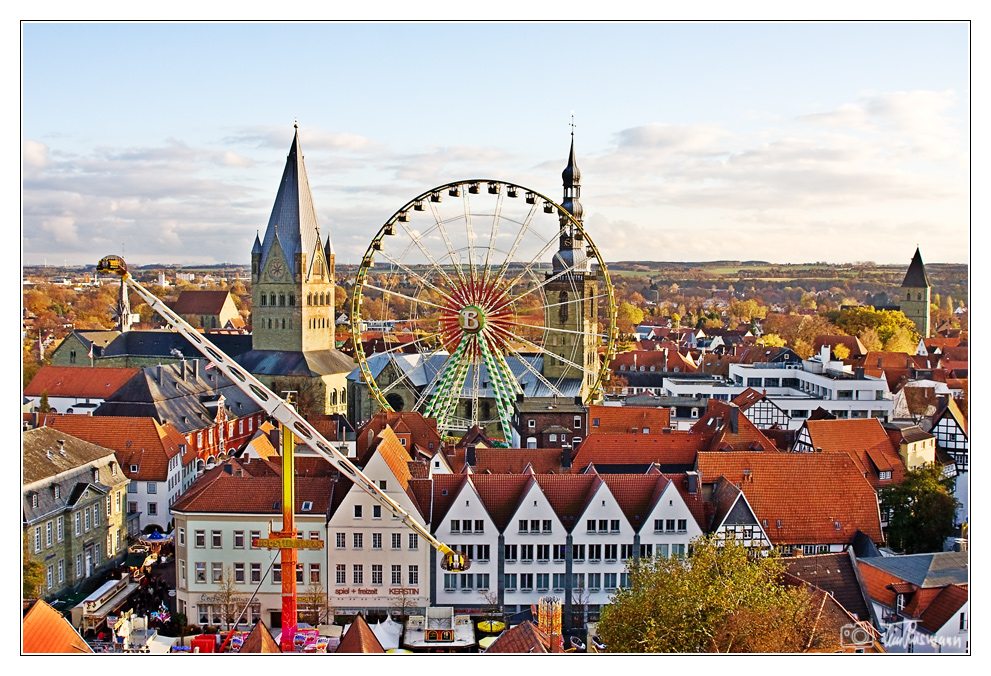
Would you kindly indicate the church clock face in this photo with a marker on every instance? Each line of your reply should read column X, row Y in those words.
column 276, row 270
column 568, row 242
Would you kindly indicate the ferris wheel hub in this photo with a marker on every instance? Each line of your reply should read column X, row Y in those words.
column 471, row 319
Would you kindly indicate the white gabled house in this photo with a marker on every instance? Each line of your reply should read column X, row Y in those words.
column 466, row 526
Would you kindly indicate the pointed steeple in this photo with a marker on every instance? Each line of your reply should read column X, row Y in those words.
column 572, row 179
column 293, row 215
column 257, row 247
column 916, row 277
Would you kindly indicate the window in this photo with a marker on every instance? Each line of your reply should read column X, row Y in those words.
column 277, row 573
column 543, row 552
column 526, row 552
column 626, row 552
column 578, row 422
column 559, row 552
column 646, row 551
column 510, row 581
column 217, row 572
column 467, row 581
column 611, row 552
column 59, row 529
column 526, row 581
column 78, row 525
column 552, row 437
column 450, row 581
column 79, row 565
column 414, row 541
column 590, row 526
column 466, row 525
column 216, row 541
column 182, row 574
column 455, row 526
column 603, row 525
column 357, row 540
column 357, row 574
column 609, row 580
column 200, row 571
column 594, row 552
column 669, row 525
column 545, row 526
column 341, row 541
column 306, row 506
column 341, row 574
column 678, row 550
column 543, row 581
column 413, row 576
column 376, row 511
column 397, row 574
column 86, row 525
column 483, row 552
column 682, row 525
column 315, row 573
column 256, row 573
column 510, row 552
column 152, row 511
column 37, row 539
column 963, row 622
column 239, row 573
column 239, row 539
column 594, row 580
column 534, row 525
column 49, row 533
column 314, row 535
column 524, row 526
column 397, row 539
column 614, row 526
column 357, row 511
column 531, row 423
column 479, row 526
column 200, row 538
column 578, row 552
column 624, row 580
column 254, row 535
column 376, row 541
column 559, row 581
column 658, row 525
column 152, row 487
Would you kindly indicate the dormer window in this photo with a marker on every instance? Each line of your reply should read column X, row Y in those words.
column 307, row 506
column 134, row 469
column 113, row 469
column 96, row 475
column 58, row 492
column 34, row 500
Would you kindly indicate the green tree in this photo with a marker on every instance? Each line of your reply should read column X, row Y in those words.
column 921, row 510
column 43, row 405
column 32, row 572
column 720, row 599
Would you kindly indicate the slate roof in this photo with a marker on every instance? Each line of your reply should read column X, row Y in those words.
column 916, row 276
column 38, row 444
column 836, row 574
column 177, row 393
column 924, row 570
column 45, row 630
column 672, row 449
column 622, row 419
column 810, row 493
column 359, row 638
column 260, row 640
column 135, row 441
column 161, row 344
column 289, row 363
column 75, row 381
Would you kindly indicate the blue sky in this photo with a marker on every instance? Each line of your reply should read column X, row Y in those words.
column 789, row 142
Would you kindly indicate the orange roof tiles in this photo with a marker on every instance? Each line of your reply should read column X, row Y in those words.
column 515, row 460
column 199, row 302
column 622, row 419
column 819, row 498
column 864, row 440
column 718, row 422
column 646, row 359
column 523, row 638
column 501, row 494
column 670, row 448
column 568, row 494
column 942, row 608
column 75, row 381
column 636, row 494
column 395, row 455
column 230, row 493
column 135, row 441
column 45, row 630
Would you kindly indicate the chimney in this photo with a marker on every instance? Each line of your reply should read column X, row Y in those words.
column 61, row 446
column 693, row 482
column 159, row 375
column 196, row 369
column 734, row 419
column 858, row 373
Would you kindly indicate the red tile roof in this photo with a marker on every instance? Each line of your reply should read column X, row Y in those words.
column 359, row 638
column 396, row 456
column 199, row 302
column 645, row 359
column 717, row 424
column 135, row 441
column 852, row 343
column 45, row 630
column 568, row 494
column 941, row 609
column 670, row 448
column 78, row 381
column 515, row 460
column 864, row 440
column 810, row 493
column 623, row 419
column 636, row 494
column 878, row 583
column 523, row 638
column 423, row 430
column 501, row 494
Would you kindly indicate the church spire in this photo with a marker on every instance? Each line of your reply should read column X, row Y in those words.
column 572, row 179
column 916, row 276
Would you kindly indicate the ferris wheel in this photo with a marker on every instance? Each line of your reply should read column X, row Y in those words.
column 482, row 291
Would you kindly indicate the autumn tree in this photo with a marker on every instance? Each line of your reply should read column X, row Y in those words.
column 853, row 320
column 921, row 510
column 627, row 317
column 902, row 340
column 870, row 340
column 32, row 572
column 720, row 599
column 841, row 352
column 770, row 340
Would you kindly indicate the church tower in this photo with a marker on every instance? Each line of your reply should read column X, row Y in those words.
column 916, row 295
column 292, row 272
column 573, row 312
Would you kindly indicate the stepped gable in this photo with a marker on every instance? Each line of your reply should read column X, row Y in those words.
column 569, row 494
column 636, row 494
column 810, row 493
column 135, row 441
column 260, row 640
column 359, row 638
column 673, row 448
column 516, row 460
column 75, row 381
column 45, row 630
column 501, row 494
